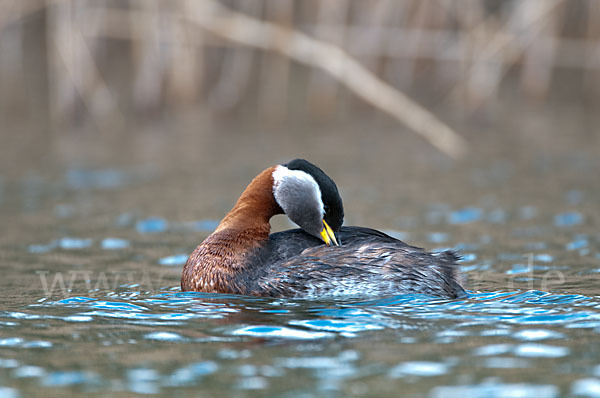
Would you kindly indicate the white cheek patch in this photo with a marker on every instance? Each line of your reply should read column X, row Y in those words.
column 285, row 179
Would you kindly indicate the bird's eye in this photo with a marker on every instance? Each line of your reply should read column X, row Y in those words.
column 326, row 208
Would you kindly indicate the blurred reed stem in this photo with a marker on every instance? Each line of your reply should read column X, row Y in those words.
column 113, row 60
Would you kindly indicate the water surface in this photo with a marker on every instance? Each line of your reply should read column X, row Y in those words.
column 94, row 241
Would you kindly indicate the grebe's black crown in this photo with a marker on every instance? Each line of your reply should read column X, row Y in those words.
column 334, row 208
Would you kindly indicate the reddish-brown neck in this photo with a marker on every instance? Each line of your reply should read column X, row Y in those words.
column 255, row 207
column 218, row 264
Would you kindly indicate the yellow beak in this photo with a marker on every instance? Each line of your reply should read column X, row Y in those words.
column 328, row 236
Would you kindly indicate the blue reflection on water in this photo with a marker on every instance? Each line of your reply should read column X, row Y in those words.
column 68, row 378
column 588, row 387
column 74, row 243
column 466, row 215
column 66, row 243
column 568, row 219
column 143, row 381
column 178, row 259
column 164, row 336
column 418, row 369
column 521, row 327
column 543, row 257
column 579, row 242
column 496, row 390
column 305, row 319
column 114, row 244
column 151, row 225
column 191, row 373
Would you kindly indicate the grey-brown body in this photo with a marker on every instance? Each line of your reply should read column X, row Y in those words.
column 369, row 263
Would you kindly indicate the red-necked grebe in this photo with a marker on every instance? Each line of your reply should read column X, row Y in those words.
column 321, row 259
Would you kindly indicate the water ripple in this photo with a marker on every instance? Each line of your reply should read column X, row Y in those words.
column 279, row 332
column 164, row 336
column 589, row 387
column 339, row 326
column 345, row 318
column 177, row 259
column 537, row 334
column 508, row 326
column 152, row 225
column 418, row 369
column 114, row 244
column 496, row 390
column 69, row 378
column 189, row 374
column 568, row 219
column 541, row 351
